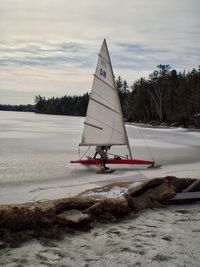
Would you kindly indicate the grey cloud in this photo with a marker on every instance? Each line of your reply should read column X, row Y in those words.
column 139, row 56
column 126, row 55
column 45, row 54
column 140, row 48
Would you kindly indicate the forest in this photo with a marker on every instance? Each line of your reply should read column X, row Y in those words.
column 23, row 108
column 66, row 105
column 166, row 97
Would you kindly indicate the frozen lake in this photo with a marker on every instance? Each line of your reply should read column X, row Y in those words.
column 36, row 149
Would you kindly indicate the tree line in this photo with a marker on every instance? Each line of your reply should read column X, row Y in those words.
column 75, row 105
column 23, row 108
column 66, row 105
column 166, row 96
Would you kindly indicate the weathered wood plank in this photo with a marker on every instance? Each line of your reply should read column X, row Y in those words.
column 186, row 196
column 193, row 186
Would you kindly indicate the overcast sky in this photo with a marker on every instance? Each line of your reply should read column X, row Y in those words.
column 50, row 47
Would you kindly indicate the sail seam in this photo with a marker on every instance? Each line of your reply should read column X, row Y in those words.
column 92, row 125
column 114, row 129
column 104, row 58
column 100, row 103
column 112, row 87
column 104, row 99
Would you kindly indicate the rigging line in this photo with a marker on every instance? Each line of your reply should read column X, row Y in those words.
column 113, row 127
column 146, row 143
column 85, row 152
column 105, row 124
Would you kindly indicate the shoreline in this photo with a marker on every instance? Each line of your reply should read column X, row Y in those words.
column 147, row 125
column 53, row 218
column 160, row 126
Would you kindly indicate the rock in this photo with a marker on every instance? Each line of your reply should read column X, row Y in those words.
column 2, row 245
column 164, row 124
column 75, row 219
column 175, row 124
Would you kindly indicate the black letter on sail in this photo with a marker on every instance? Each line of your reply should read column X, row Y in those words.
column 103, row 73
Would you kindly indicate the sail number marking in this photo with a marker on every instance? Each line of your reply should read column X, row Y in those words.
column 103, row 73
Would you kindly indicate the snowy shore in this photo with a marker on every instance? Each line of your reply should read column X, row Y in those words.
column 155, row 238
column 167, row 236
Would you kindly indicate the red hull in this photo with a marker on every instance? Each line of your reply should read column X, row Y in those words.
column 114, row 161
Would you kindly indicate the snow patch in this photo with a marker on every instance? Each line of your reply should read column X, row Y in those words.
column 116, row 192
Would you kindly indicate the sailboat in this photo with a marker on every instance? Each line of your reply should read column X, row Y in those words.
column 104, row 124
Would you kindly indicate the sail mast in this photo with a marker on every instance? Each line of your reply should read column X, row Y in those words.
column 128, row 144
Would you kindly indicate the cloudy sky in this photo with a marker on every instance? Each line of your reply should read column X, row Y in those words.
column 50, row 47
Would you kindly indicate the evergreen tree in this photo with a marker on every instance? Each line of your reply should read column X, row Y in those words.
column 166, row 96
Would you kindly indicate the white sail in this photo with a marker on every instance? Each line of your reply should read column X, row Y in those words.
column 104, row 123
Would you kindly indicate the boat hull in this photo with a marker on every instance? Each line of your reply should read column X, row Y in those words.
column 114, row 161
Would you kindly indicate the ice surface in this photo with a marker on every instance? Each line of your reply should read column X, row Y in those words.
column 35, row 154
column 35, row 151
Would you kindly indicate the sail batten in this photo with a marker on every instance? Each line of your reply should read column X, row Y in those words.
column 100, row 103
column 104, row 109
column 104, row 58
column 92, row 125
column 112, row 87
column 106, row 125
